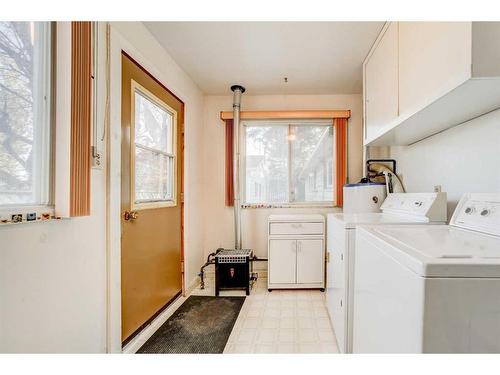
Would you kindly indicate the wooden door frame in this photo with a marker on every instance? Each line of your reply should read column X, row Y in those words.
column 118, row 45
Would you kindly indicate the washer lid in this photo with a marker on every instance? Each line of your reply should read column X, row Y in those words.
column 440, row 250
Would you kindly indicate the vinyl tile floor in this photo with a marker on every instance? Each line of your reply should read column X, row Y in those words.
column 281, row 321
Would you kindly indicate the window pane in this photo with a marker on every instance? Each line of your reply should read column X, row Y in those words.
column 153, row 176
column 312, row 156
column 24, row 112
column 153, row 124
column 266, row 164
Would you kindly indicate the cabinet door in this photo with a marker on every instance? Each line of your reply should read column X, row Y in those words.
column 381, row 83
column 434, row 58
column 282, row 261
column 310, row 261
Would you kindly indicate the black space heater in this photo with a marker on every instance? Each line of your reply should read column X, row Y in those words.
column 232, row 270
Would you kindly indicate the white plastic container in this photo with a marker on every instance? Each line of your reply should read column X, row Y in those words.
column 363, row 198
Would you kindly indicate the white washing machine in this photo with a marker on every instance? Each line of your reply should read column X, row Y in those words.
column 431, row 289
column 398, row 208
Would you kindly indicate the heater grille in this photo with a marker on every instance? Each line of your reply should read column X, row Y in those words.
column 233, row 256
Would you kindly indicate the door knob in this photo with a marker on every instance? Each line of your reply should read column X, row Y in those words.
column 130, row 215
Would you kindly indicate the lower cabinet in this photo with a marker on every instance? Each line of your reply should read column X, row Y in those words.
column 296, row 259
column 310, row 261
column 283, row 262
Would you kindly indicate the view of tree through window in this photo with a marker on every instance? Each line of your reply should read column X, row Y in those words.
column 24, row 112
column 288, row 163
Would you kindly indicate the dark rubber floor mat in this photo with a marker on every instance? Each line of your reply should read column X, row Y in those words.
column 201, row 325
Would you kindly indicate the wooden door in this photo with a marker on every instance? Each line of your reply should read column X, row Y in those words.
column 151, row 197
column 282, row 260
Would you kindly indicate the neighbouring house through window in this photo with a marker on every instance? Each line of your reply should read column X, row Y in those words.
column 288, row 162
column 25, row 113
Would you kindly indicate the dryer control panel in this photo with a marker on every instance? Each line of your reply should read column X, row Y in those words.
column 423, row 206
column 479, row 212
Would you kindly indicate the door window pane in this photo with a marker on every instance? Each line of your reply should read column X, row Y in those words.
column 153, row 124
column 25, row 84
column 153, row 176
column 154, row 150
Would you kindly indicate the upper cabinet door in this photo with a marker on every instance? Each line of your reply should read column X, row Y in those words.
column 381, row 82
column 434, row 58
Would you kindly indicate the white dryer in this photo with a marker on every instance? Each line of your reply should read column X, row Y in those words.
column 398, row 208
column 431, row 289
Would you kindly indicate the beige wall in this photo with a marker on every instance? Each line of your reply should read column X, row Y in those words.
column 53, row 276
column 219, row 227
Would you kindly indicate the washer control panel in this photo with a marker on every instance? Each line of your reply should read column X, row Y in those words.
column 426, row 206
column 480, row 212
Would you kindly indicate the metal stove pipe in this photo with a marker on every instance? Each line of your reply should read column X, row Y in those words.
column 237, row 90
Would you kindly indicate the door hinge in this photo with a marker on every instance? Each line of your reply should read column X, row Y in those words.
column 327, row 257
column 182, row 197
column 341, row 256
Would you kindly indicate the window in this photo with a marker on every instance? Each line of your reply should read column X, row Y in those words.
column 25, row 113
column 291, row 163
column 154, row 151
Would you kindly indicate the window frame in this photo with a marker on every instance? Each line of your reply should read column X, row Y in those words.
column 144, row 205
column 291, row 122
column 44, row 167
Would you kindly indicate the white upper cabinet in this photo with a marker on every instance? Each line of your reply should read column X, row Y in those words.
column 381, row 81
column 447, row 73
column 434, row 58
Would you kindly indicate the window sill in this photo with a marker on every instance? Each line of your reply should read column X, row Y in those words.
column 16, row 215
column 297, row 205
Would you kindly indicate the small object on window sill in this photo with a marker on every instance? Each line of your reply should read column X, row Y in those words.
column 16, row 218
column 45, row 216
column 31, row 216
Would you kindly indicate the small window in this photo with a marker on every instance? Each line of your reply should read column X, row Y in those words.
column 25, row 113
column 154, row 152
column 290, row 162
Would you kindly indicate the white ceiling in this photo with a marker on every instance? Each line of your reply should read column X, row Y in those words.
column 317, row 57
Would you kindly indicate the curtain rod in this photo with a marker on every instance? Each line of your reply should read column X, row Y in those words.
column 301, row 114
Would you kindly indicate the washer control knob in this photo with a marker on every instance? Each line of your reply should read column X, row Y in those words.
column 469, row 210
column 485, row 212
